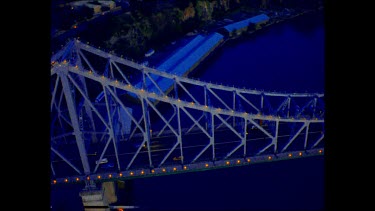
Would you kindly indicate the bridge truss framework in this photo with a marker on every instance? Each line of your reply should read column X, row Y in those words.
column 100, row 111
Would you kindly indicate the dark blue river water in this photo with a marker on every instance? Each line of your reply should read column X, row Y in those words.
column 289, row 57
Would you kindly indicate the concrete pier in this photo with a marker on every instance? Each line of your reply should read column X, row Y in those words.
column 98, row 199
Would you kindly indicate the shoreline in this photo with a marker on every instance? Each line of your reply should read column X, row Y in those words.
column 272, row 21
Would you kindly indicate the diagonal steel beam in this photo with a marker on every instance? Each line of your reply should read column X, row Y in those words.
column 274, row 140
column 247, row 101
column 169, row 120
column 229, row 126
column 136, row 153
column 187, row 92
column 126, row 111
column 169, row 153
column 87, row 61
column 146, row 134
column 88, row 101
column 203, row 150
column 122, row 74
column 217, row 97
column 74, row 119
column 54, row 91
column 53, row 170
column 194, row 124
column 87, row 108
column 103, row 152
column 306, row 135
column 179, row 138
column 259, row 127
column 265, row 148
column 197, row 123
column 111, row 131
column 66, row 160
column 318, row 141
column 283, row 104
column 294, row 137
column 153, row 81
column 135, row 128
column 161, row 116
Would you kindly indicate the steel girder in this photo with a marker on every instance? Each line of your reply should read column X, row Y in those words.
column 110, row 109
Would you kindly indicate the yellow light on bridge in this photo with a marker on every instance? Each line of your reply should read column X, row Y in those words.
column 320, row 151
column 238, row 161
column 269, row 157
column 227, row 162
column 120, row 174
column 142, row 172
column 248, row 160
column 164, row 170
column 54, row 181
column 110, row 176
column 185, row 167
column 300, row 153
column 131, row 173
column 152, row 171
column 206, row 165
column 65, row 180
column 174, row 169
column 87, row 178
column 99, row 176
column 290, row 155
column 77, row 179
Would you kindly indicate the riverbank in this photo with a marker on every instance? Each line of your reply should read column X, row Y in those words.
column 275, row 18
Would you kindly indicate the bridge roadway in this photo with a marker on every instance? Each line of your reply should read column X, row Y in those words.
column 220, row 126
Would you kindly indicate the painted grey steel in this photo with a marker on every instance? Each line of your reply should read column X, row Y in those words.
column 78, row 117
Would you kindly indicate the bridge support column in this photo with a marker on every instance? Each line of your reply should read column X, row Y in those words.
column 95, row 199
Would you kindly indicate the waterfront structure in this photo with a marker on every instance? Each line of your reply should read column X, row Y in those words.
column 181, row 62
column 239, row 27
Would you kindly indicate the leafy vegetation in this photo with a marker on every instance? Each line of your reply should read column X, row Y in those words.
column 155, row 23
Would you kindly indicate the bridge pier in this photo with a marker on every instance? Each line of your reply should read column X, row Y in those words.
column 98, row 199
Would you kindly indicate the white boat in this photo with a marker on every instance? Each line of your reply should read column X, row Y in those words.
column 149, row 52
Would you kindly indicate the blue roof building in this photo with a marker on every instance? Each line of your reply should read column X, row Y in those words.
column 240, row 26
column 182, row 61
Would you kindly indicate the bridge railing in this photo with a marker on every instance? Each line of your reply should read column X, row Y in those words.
column 193, row 122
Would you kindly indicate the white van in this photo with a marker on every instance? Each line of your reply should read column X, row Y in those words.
column 103, row 160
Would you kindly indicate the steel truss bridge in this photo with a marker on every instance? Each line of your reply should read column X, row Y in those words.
column 112, row 119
